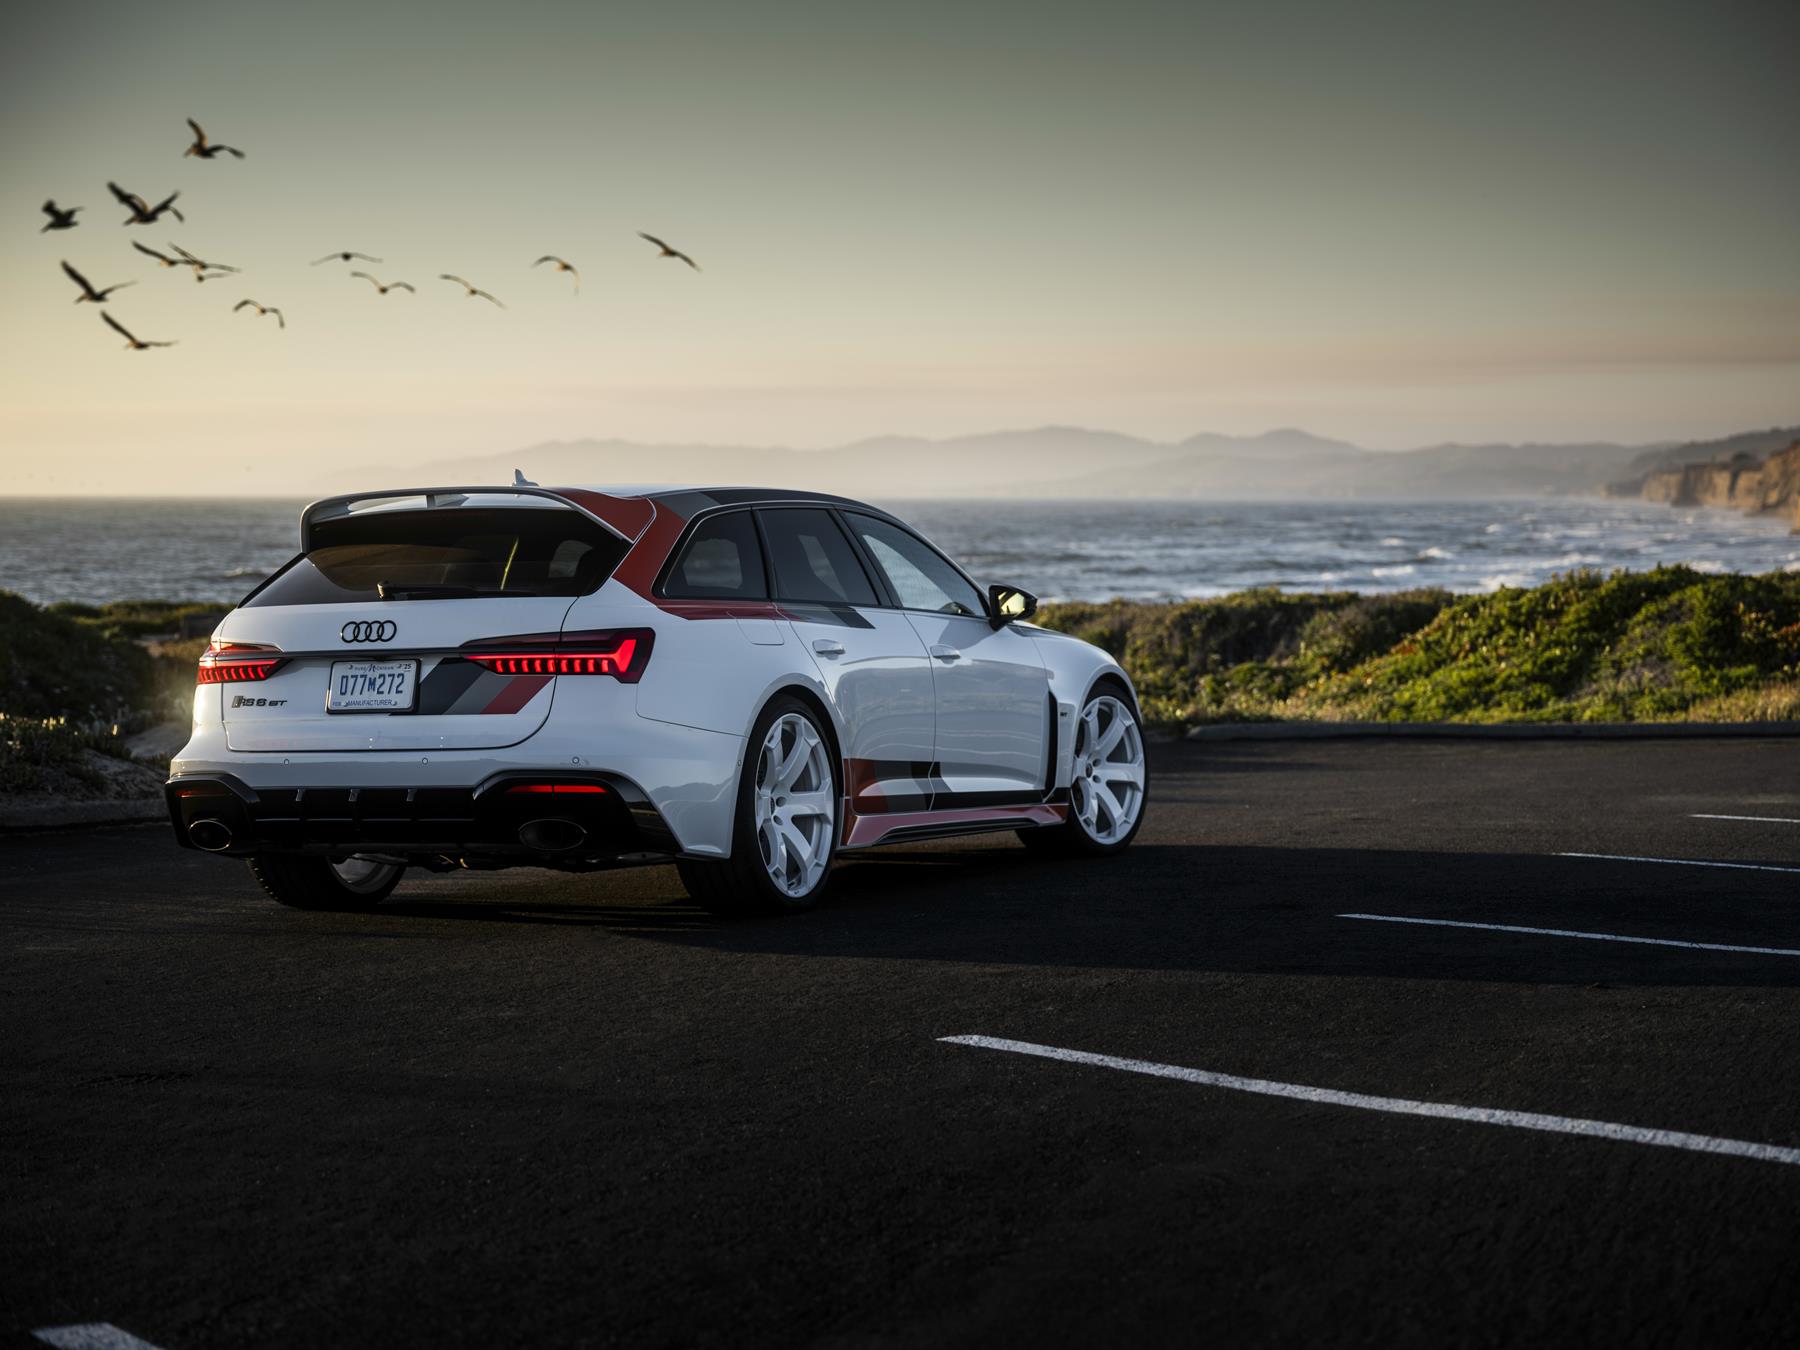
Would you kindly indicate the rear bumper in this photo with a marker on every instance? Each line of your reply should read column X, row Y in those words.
column 594, row 819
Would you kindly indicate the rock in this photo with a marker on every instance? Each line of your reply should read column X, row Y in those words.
column 1740, row 482
column 158, row 745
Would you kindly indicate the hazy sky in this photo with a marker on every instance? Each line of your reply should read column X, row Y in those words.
column 1398, row 223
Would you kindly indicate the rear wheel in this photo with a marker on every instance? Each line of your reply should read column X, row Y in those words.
column 307, row 881
column 1109, row 783
column 786, row 824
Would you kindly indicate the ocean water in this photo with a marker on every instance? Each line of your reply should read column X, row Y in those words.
column 95, row 550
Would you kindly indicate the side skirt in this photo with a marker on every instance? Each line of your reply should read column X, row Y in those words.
column 866, row 831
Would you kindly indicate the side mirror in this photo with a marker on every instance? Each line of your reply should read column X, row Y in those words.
column 1006, row 603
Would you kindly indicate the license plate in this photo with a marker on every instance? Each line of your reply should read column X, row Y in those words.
column 372, row 686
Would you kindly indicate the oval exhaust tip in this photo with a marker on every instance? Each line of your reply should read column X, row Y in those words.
column 212, row 835
column 554, row 835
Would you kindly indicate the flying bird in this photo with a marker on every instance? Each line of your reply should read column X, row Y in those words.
column 87, row 289
column 260, row 309
column 345, row 256
column 132, row 344
column 162, row 258
column 59, row 218
column 472, row 290
column 668, row 252
column 562, row 265
column 141, row 212
column 204, row 148
column 203, row 270
column 391, row 286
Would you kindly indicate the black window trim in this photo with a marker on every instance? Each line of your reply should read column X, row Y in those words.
column 265, row 583
column 882, row 585
column 659, row 587
column 884, row 593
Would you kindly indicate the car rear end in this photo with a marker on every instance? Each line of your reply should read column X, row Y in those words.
column 388, row 692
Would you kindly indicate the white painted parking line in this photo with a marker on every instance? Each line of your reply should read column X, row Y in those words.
column 1478, row 1115
column 1761, row 820
column 1681, row 862
column 1573, row 933
column 91, row 1336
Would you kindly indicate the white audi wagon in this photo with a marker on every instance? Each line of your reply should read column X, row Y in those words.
column 745, row 682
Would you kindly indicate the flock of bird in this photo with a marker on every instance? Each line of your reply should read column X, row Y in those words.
column 144, row 213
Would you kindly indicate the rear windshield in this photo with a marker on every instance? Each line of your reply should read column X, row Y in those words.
column 446, row 555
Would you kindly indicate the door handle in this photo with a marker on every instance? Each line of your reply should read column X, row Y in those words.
column 945, row 653
column 828, row 647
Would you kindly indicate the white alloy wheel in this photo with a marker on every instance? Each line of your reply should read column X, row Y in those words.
column 362, row 876
column 795, row 805
column 1107, row 790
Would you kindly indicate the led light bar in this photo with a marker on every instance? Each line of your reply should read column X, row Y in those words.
column 230, row 662
column 621, row 654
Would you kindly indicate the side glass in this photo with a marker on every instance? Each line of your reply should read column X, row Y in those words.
column 921, row 578
column 811, row 559
column 722, row 560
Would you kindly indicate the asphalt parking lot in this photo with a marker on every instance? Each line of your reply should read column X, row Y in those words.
column 1361, row 1043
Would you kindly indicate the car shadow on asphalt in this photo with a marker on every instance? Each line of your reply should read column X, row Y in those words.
column 1237, row 909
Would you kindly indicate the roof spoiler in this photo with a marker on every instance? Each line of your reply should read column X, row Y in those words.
column 336, row 508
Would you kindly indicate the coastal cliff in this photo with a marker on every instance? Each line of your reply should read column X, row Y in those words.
column 1742, row 482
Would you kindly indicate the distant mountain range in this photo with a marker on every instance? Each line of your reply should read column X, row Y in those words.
column 1078, row 462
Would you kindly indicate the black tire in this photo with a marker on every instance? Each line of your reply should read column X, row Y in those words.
column 1071, row 839
column 308, row 881
column 741, row 884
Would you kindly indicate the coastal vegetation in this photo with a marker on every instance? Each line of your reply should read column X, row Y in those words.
column 52, row 755
column 1672, row 644
column 127, row 662
column 76, row 680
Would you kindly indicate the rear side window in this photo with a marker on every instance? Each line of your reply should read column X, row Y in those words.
column 812, row 560
column 447, row 555
column 721, row 561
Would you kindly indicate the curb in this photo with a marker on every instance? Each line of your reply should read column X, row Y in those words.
column 1492, row 731
column 46, row 813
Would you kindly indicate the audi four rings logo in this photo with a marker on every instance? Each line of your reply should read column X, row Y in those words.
column 369, row 630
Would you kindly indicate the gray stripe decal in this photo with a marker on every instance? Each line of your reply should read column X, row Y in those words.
column 483, row 691
column 444, row 684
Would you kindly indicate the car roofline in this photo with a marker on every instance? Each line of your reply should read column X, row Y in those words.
column 570, row 497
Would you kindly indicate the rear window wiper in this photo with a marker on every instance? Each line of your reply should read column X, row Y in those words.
column 390, row 591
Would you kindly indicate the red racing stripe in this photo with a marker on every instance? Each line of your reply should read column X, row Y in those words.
column 720, row 609
column 638, row 570
column 627, row 515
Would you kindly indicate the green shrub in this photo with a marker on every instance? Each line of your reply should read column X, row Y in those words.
column 56, row 665
column 43, row 754
column 140, row 618
column 1634, row 646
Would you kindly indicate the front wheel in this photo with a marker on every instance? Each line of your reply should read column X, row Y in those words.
column 308, row 881
column 1109, row 782
column 785, row 831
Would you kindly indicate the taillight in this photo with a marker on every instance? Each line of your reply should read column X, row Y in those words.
column 227, row 662
column 555, row 789
column 621, row 653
